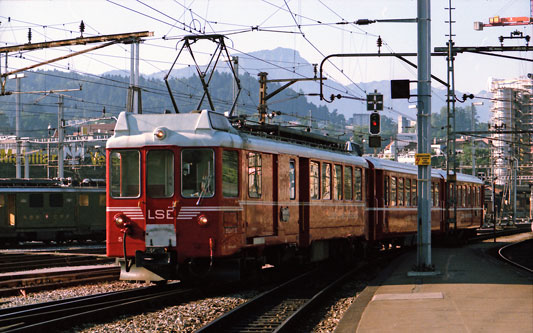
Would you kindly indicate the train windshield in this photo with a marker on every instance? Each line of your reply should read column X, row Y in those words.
column 160, row 174
column 125, row 174
column 197, row 173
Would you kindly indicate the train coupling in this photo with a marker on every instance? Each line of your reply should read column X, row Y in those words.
column 154, row 264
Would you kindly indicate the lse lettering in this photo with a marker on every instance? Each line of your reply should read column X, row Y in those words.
column 160, row 214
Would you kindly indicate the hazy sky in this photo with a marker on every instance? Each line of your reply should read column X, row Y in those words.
column 276, row 22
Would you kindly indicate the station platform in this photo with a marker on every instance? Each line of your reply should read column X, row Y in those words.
column 474, row 292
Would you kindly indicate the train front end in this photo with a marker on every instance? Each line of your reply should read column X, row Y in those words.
column 161, row 193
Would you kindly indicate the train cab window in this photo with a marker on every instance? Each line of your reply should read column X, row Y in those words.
column 56, row 200
column 230, row 173
column 160, row 173
column 197, row 173
column 400, row 192
column 348, row 187
column 407, row 186
column 125, row 174
column 326, row 181
column 358, row 184
column 255, row 175
column 36, row 200
column 337, row 182
column 314, row 180
column 83, row 200
column 292, row 179
column 393, row 191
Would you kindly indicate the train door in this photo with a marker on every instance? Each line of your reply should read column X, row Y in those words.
column 288, row 195
column 124, row 199
column 304, row 196
column 159, row 195
column 259, row 193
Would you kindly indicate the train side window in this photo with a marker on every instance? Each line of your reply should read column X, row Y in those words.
column 400, row 192
column 358, row 184
column 348, row 188
column 101, row 200
column 36, row 200
column 393, row 191
column 160, row 173
column 125, row 174
column 292, row 179
column 2, row 200
column 230, row 173
column 407, row 192
column 197, row 173
column 437, row 198
column 386, row 192
column 464, row 196
column 326, row 181
column 413, row 193
column 337, row 182
column 56, row 200
column 255, row 175
column 83, row 200
column 314, row 180
column 433, row 201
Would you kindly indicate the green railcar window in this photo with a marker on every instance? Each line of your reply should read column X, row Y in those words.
column 160, row 173
column 36, row 200
column 2, row 200
column 83, row 200
column 125, row 174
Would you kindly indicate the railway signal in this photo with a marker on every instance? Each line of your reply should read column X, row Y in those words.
column 375, row 123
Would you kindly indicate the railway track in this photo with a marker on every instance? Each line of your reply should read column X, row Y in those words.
column 12, row 262
column 22, row 283
column 519, row 254
column 70, row 312
column 280, row 308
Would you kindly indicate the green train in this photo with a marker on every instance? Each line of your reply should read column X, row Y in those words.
column 51, row 210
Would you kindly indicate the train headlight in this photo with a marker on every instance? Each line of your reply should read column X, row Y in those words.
column 202, row 220
column 120, row 220
column 160, row 133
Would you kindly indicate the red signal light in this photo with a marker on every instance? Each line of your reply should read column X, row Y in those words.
column 375, row 127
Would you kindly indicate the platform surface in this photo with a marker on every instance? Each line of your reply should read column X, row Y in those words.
column 474, row 292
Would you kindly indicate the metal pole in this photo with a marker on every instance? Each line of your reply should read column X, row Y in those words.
column 424, row 135
column 60, row 134
column 235, row 83
column 17, row 130
column 136, row 102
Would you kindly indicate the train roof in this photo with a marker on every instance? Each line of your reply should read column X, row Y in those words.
column 46, row 184
column 209, row 129
column 389, row 165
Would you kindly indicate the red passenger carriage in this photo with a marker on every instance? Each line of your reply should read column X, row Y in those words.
column 186, row 191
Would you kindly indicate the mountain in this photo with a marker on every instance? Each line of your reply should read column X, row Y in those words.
column 284, row 63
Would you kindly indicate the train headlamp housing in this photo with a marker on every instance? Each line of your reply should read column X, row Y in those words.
column 121, row 221
column 160, row 133
column 202, row 220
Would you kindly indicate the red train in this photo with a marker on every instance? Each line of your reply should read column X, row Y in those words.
column 188, row 192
